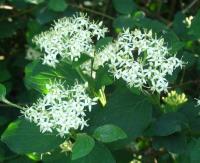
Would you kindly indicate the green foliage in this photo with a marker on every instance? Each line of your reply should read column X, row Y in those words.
column 124, row 110
column 24, row 137
column 2, row 91
column 7, row 29
column 127, row 124
column 56, row 157
column 99, row 154
column 168, row 124
column 194, row 30
column 38, row 75
column 124, row 7
column 103, row 78
column 109, row 133
column 58, row 5
column 175, row 143
column 83, row 146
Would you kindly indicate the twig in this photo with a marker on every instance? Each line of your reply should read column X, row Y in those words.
column 92, row 11
column 172, row 8
column 160, row 2
column 154, row 16
column 186, row 83
column 9, row 103
column 18, row 14
column 189, row 6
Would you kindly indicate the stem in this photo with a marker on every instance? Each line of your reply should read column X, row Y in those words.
column 155, row 99
column 92, row 11
column 102, row 96
column 189, row 6
column 186, row 83
column 172, row 8
column 81, row 74
column 11, row 104
column 18, row 14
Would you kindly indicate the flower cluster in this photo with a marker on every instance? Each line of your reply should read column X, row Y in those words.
column 175, row 99
column 139, row 58
column 69, row 38
column 61, row 109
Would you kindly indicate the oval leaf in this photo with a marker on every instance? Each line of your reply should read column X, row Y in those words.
column 58, row 5
column 168, row 124
column 109, row 133
column 38, row 75
column 83, row 146
column 124, row 7
column 23, row 137
column 99, row 154
column 132, row 113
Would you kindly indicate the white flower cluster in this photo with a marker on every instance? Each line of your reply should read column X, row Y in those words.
column 61, row 109
column 69, row 38
column 139, row 58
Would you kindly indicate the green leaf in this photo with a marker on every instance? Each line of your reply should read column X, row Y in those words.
column 124, row 6
column 102, row 78
column 194, row 151
column 99, row 154
column 168, row 124
column 7, row 29
column 191, row 154
column 132, row 113
column 82, row 146
column 33, row 28
column 103, row 42
column 192, row 114
column 175, row 143
column 123, row 155
column 109, row 133
column 123, row 22
column 194, row 29
column 179, row 26
column 5, row 74
column 2, row 92
column 44, row 15
column 190, row 58
column 38, row 75
column 20, row 4
column 23, row 137
column 56, row 157
column 58, row 5
column 19, row 159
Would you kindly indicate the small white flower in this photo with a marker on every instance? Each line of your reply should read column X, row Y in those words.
column 69, row 38
column 61, row 109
